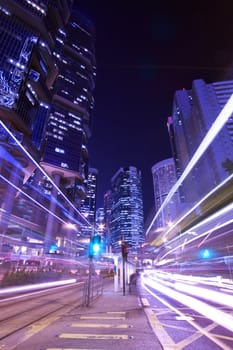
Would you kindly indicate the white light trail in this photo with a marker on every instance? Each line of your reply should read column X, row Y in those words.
column 206, row 232
column 204, row 293
column 218, row 124
column 44, row 173
column 212, row 313
column 199, row 203
column 33, row 200
column 28, row 288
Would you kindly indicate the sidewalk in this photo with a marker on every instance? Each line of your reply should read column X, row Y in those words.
column 114, row 321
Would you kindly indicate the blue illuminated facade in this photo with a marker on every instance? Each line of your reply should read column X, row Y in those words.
column 70, row 119
column 26, row 48
column 47, row 78
column 164, row 178
column 127, row 215
column 194, row 112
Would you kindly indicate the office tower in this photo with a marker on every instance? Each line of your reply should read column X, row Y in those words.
column 100, row 227
column 70, row 119
column 107, row 219
column 48, row 76
column 65, row 155
column 194, row 112
column 127, row 208
column 88, row 206
column 164, row 178
column 25, row 50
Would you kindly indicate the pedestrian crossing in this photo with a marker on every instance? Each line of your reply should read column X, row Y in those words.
column 95, row 328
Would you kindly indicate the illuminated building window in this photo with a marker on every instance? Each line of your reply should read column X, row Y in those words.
column 59, row 150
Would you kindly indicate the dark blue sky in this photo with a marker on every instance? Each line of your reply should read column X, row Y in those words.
column 145, row 52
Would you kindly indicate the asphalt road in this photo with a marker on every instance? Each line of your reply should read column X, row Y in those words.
column 189, row 313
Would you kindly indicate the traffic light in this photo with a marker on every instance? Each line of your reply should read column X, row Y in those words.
column 95, row 246
column 124, row 249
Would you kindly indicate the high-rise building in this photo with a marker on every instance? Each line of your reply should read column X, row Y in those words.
column 164, row 178
column 107, row 220
column 65, row 156
column 100, row 227
column 26, row 50
column 88, row 206
column 70, row 119
column 47, row 74
column 194, row 112
column 127, row 218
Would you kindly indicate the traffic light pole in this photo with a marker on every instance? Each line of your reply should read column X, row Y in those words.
column 89, row 281
column 124, row 258
column 123, row 275
column 94, row 249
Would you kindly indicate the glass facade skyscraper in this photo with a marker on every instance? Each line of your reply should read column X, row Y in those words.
column 127, row 217
column 47, row 78
column 164, row 177
column 69, row 125
column 194, row 112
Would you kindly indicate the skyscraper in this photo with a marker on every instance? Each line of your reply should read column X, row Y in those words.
column 65, row 156
column 107, row 219
column 47, row 75
column 164, row 177
column 70, row 119
column 27, row 73
column 194, row 112
column 88, row 205
column 126, row 208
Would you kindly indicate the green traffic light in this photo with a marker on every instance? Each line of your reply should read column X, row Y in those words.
column 95, row 245
column 96, row 248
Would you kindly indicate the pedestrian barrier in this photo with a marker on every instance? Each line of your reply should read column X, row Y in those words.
column 93, row 288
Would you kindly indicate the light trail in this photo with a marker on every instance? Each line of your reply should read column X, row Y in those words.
column 199, row 203
column 218, row 124
column 212, row 313
column 10, row 290
column 32, row 199
column 199, row 225
column 201, row 330
column 45, row 174
column 207, row 294
column 191, row 285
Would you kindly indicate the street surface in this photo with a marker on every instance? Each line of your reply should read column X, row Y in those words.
column 166, row 312
column 113, row 321
column 189, row 312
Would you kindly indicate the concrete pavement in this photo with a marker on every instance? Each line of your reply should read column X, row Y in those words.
column 113, row 321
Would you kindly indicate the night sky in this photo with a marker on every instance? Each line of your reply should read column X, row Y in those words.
column 145, row 51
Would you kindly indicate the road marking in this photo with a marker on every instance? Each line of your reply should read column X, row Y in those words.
column 184, row 318
column 201, row 330
column 145, row 302
column 223, row 336
column 116, row 312
column 94, row 336
column 22, row 335
column 165, row 339
column 195, row 336
column 99, row 325
column 102, row 317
